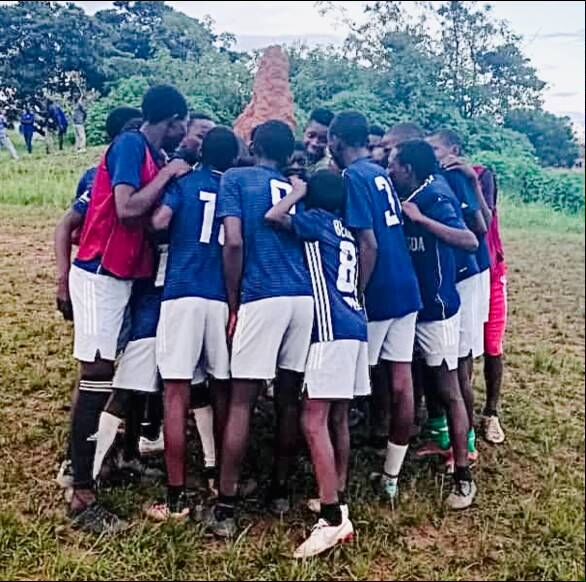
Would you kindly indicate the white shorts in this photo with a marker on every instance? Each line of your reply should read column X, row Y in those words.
column 470, row 324
column 137, row 367
column 483, row 308
column 188, row 328
column 337, row 370
column 272, row 333
column 392, row 339
column 99, row 302
column 438, row 341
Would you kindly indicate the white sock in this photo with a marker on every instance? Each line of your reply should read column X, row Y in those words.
column 394, row 460
column 107, row 431
column 204, row 421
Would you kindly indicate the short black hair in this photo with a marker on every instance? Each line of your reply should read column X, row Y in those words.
column 418, row 154
column 195, row 115
column 449, row 138
column 322, row 116
column 163, row 102
column 376, row 130
column 219, row 148
column 119, row 118
column 351, row 127
column 326, row 190
column 407, row 131
column 274, row 140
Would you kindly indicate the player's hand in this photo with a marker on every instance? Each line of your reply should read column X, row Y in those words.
column 177, row 168
column 299, row 186
column 451, row 163
column 412, row 212
column 64, row 305
column 231, row 327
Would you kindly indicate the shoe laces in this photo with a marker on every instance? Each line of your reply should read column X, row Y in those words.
column 462, row 488
column 321, row 523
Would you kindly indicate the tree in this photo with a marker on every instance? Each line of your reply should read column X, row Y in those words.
column 551, row 135
column 47, row 48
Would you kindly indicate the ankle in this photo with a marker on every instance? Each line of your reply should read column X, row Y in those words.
column 81, row 499
column 462, row 474
column 331, row 512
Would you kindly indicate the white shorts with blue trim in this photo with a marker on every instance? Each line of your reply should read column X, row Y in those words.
column 439, row 341
column 99, row 303
column 137, row 367
column 337, row 370
column 392, row 339
column 189, row 328
column 272, row 333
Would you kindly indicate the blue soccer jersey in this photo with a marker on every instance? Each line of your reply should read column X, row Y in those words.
column 332, row 258
column 464, row 192
column 434, row 260
column 83, row 192
column 194, row 264
column 274, row 264
column 373, row 204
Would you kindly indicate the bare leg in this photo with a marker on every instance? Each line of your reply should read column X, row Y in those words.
column 176, row 399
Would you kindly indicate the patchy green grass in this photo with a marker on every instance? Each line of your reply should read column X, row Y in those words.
column 528, row 522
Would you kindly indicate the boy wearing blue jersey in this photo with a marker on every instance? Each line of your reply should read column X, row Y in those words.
column 433, row 230
column 194, row 308
column 473, row 283
column 387, row 279
column 271, row 315
column 337, row 366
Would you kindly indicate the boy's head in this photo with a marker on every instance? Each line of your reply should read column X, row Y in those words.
column 315, row 136
column 198, row 127
column 410, row 164
column 298, row 162
column 273, row 140
column 326, row 191
column 399, row 133
column 120, row 119
column 165, row 106
column 219, row 149
column 348, row 130
column 445, row 142
column 375, row 137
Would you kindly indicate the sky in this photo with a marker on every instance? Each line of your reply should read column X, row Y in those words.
column 553, row 33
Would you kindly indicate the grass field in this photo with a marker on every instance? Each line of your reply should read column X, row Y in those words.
column 527, row 524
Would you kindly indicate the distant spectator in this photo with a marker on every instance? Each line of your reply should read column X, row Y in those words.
column 27, row 128
column 57, row 124
column 79, row 118
column 50, row 126
column 4, row 139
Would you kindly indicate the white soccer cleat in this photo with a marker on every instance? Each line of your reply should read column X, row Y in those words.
column 325, row 536
column 462, row 495
column 149, row 447
column 493, row 431
column 65, row 475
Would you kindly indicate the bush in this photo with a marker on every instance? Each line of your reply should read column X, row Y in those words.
column 522, row 178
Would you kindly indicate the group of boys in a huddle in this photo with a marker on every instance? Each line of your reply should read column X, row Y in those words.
column 359, row 259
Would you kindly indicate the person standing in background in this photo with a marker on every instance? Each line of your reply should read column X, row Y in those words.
column 27, row 128
column 4, row 139
column 79, row 118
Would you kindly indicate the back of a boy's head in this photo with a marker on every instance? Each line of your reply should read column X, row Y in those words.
column 274, row 140
column 351, row 127
column 163, row 102
column 326, row 190
column 449, row 138
column 219, row 148
column 119, row 120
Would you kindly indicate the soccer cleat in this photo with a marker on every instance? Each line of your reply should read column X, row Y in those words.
column 462, row 495
column 177, row 511
column 223, row 528
column 325, row 536
column 96, row 519
column 65, row 475
column 314, row 505
column 492, row 430
column 149, row 447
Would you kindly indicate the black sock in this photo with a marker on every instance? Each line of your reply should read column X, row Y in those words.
column 91, row 400
column 331, row 512
column 462, row 474
column 342, row 500
column 225, row 507
column 490, row 412
column 174, row 492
